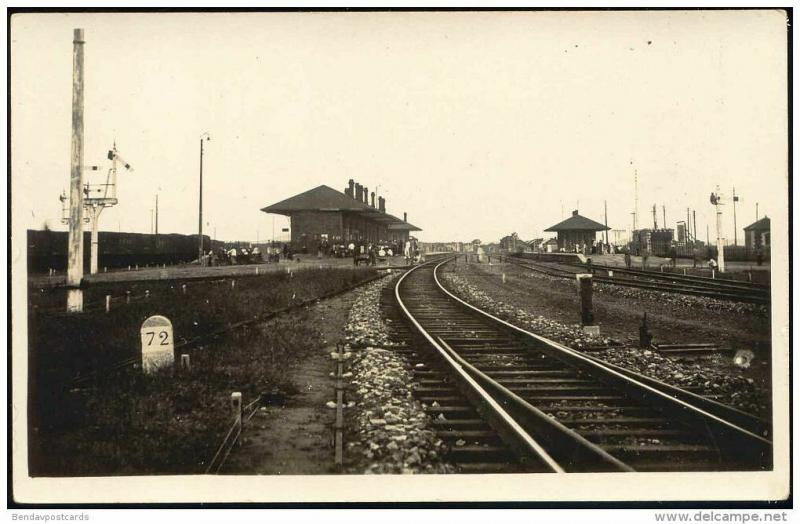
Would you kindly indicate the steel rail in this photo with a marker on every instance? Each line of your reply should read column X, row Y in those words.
column 685, row 289
column 519, row 439
column 737, row 440
column 695, row 280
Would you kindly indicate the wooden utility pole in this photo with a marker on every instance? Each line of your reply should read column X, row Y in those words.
column 75, row 247
column 156, row 213
column 605, row 218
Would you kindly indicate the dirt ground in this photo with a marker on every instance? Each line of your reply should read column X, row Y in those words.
column 294, row 437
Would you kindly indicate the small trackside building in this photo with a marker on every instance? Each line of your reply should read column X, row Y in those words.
column 576, row 231
column 324, row 217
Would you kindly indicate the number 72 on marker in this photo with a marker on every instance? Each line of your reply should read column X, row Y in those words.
column 158, row 345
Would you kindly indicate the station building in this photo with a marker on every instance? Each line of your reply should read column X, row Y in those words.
column 323, row 217
column 576, row 231
column 756, row 235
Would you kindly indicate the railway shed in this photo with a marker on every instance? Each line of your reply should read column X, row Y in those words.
column 576, row 231
column 323, row 217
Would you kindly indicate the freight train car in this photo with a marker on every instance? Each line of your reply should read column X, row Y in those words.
column 48, row 249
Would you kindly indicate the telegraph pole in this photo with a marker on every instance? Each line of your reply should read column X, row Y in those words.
column 735, row 235
column 204, row 136
column 605, row 218
column 156, row 213
column 664, row 211
column 75, row 248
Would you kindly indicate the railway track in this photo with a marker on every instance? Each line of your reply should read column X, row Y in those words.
column 664, row 282
column 508, row 400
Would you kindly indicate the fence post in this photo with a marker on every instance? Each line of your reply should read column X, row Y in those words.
column 233, row 284
column 236, row 409
column 504, row 278
column 183, row 288
column 186, row 364
column 147, row 294
column 127, row 297
column 108, row 303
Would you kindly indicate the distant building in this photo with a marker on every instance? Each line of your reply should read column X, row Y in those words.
column 756, row 235
column 576, row 231
column 509, row 243
column 323, row 217
column 653, row 241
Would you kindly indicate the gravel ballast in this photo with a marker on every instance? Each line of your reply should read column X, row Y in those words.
column 389, row 432
column 709, row 376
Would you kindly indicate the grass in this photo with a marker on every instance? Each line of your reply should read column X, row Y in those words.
column 124, row 422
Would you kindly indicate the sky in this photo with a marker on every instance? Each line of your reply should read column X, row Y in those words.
column 475, row 124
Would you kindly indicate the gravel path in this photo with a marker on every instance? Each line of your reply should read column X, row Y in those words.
column 389, row 432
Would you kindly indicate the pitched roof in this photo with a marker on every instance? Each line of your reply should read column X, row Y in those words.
column 578, row 223
column 762, row 225
column 325, row 198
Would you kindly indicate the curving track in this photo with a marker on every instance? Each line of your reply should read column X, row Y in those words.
column 508, row 400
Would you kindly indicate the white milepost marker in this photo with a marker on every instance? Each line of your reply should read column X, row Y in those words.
column 158, row 346
column 108, row 303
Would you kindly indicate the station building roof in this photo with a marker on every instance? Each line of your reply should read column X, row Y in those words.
column 578, row 223
column 325, row 198
column 759, row 225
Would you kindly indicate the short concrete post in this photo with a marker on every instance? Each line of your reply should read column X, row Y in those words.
column 127, row 297
column 183, row 288
column 684, row 271
column 108, row 303
column 236, row 410
column 129, row 267
column 749, row 276
column 147, row 294
column 233, row 284
column 713, row 273
column 186, row 363
column 137, row 267
column 504, row 278
column 645, row 337
column 610, row 273
column 105, row 269
column 585, row 290
column 661, row 268
column 256, row 270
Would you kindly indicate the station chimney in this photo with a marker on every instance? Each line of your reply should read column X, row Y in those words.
column 382, row 204
column 372, row 195
column 405, row 216
column 365, row 200
column 357, row 195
